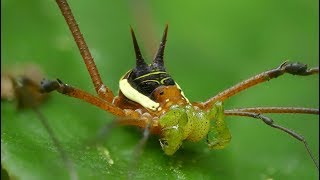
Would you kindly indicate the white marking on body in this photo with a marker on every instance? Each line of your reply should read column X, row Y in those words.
column 136, row 96
column 219, row 103
column 182, row 93
column 175, row 127
column 161, row 144
column 139, row 111
column 196, row 108
column 155, row 119
column 146, row 114
column 114, row 99
column 102, row 88
column 172, row 127
column 127, row 111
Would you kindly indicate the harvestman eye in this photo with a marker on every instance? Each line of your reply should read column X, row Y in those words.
column 169, row 114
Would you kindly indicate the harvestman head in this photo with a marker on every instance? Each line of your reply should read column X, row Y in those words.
column 150, row 99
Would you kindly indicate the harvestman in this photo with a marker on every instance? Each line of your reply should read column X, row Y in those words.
column 150, row 99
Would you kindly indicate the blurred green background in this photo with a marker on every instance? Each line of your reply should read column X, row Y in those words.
column 211, row 46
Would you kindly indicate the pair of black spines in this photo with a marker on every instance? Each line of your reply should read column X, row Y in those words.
column 149, row 83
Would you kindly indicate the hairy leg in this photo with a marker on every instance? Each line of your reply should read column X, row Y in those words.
column 103, row 91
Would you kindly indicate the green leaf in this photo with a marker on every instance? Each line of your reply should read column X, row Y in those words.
column 211, row 46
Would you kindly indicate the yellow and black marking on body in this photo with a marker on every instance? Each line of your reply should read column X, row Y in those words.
column 139, row 83
column 148, row 82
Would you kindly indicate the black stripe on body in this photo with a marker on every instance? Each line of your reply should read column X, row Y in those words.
column 148, row 81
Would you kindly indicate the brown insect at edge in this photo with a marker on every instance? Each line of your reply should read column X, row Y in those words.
column 150, row 99
column 20, row 84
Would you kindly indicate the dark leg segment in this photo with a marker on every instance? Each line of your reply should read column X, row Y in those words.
column 28, row 96
column 102, row 133
column 72, row 172
column 271, row 123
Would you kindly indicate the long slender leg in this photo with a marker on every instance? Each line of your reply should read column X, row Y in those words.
column 133, row 122
column 271, row 123
column 103, row 132
column 48, row 86
column 138, row 151
column 28, row 95
column 127, row 116
column 72, row 172
column 291, row 68
column 103, row 91
column 263, row 110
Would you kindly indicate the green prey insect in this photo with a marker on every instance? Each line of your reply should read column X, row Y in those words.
column 149, row 98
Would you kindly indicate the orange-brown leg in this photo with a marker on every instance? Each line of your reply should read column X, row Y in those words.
column 271, row 123
column 48, row 86
column 291, row 68
column 103, row 91
column 263, row 110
